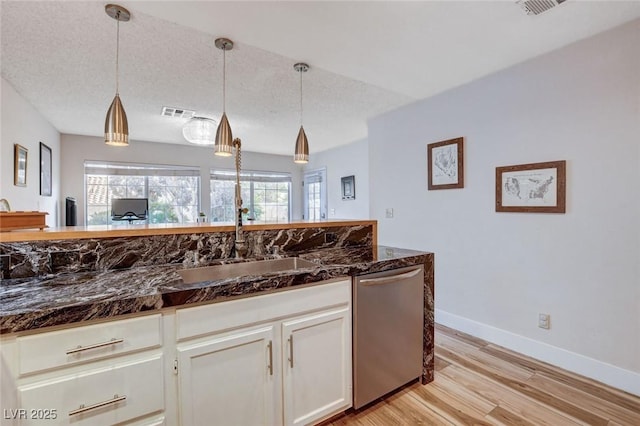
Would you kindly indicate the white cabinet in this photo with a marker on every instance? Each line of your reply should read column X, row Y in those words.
column 100, row 374
column 317, row 359
column 282, row 358
column 229, row 380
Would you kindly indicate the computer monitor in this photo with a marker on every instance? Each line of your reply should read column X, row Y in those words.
column 129, row 209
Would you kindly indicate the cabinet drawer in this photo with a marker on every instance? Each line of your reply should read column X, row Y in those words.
column 217, row 317
column 100, row 397
column 62, row 348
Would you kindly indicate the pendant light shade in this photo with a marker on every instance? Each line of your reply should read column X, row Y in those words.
column 302, row 148
column 200, row 131
column 224, row 138
column 116, row 127
column 301, row 155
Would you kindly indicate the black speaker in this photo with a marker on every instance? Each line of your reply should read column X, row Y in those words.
column 71, row 213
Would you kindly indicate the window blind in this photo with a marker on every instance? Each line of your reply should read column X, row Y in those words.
column 135, row 169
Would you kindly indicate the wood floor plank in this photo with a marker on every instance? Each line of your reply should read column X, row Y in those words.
column 443, row 330
column 458, row 395
column 414, row 412
column 481, row 383
column 618, row 397
column 523, row 388
column 487, row 361
column 596, row 405
column 440, row 364
column 456, row 413
column 503, row 417
column 510, row 399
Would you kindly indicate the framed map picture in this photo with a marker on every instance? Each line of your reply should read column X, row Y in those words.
column 348, row 187
column 531, row 188
column 445, row 161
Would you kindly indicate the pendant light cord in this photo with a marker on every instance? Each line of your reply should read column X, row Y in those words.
column 224, row 79
column 300, row 97
column 117, row 52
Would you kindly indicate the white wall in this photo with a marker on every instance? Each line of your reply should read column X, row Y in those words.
column 346, row 160
column 76, row 149
column 22, row 124
column 496, row 271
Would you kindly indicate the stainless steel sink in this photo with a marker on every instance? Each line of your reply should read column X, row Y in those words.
column 231, row 270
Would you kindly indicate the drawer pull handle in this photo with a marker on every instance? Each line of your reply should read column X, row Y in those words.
column 94, row 346
column 83, row 409
column 270, row 346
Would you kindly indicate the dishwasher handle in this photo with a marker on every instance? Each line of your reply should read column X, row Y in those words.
column 389, row 279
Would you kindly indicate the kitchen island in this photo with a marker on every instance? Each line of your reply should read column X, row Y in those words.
column 74, row 277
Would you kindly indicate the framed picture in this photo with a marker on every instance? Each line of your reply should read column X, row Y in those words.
column 349, row 188
column 20, row 165
column 531, row 188
column 45, row 170
column 446, row 162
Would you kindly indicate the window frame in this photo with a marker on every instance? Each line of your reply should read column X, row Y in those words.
column 145, row 171
column 251, row 177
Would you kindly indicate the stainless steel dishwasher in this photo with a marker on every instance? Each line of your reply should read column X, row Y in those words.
column 388, row 318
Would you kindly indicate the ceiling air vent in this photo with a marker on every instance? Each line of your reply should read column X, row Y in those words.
column 177, row 112
column 536, row 7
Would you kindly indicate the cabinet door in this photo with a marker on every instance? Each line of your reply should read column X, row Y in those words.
column 229, row 380
column 316, row 353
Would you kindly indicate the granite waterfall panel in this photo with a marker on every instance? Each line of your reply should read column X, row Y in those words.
column 39, row 258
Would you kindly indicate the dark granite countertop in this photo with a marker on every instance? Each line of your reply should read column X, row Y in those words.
column 33, row 303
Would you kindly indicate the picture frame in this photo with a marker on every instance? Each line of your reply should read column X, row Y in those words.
column 532, row 188
column 348, row 187
column 20, row 155
column 445, row 161
column 45, row 170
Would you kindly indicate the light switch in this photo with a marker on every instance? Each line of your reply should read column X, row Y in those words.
column 389, row 213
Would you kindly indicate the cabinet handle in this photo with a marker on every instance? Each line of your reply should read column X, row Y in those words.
column 83, row 409
column 389, row 279
column 94, row 346
column 291, row 350
column 270, row 346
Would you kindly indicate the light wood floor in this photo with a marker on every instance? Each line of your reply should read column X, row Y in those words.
column 478, row 383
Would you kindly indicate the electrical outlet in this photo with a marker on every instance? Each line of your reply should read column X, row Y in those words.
column 389, row 213
column 332, row 212
column 544, row 321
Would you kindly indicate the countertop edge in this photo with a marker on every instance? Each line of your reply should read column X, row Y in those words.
column 167, row 296
column 114, row 231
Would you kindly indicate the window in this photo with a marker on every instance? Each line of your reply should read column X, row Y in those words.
column 265, row 194
column 173, row 191
column 315, row 198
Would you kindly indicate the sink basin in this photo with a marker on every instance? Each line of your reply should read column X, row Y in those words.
column 231, row 270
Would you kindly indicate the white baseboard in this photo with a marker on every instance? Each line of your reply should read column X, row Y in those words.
column 617, row 377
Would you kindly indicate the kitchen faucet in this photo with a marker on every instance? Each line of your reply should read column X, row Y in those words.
column 239, row 244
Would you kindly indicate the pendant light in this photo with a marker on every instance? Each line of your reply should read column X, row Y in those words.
column 200, row 131
column 301, row 155
column 116, row 127
column 224, row 140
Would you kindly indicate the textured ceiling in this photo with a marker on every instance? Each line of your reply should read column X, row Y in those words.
column 366, row 58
